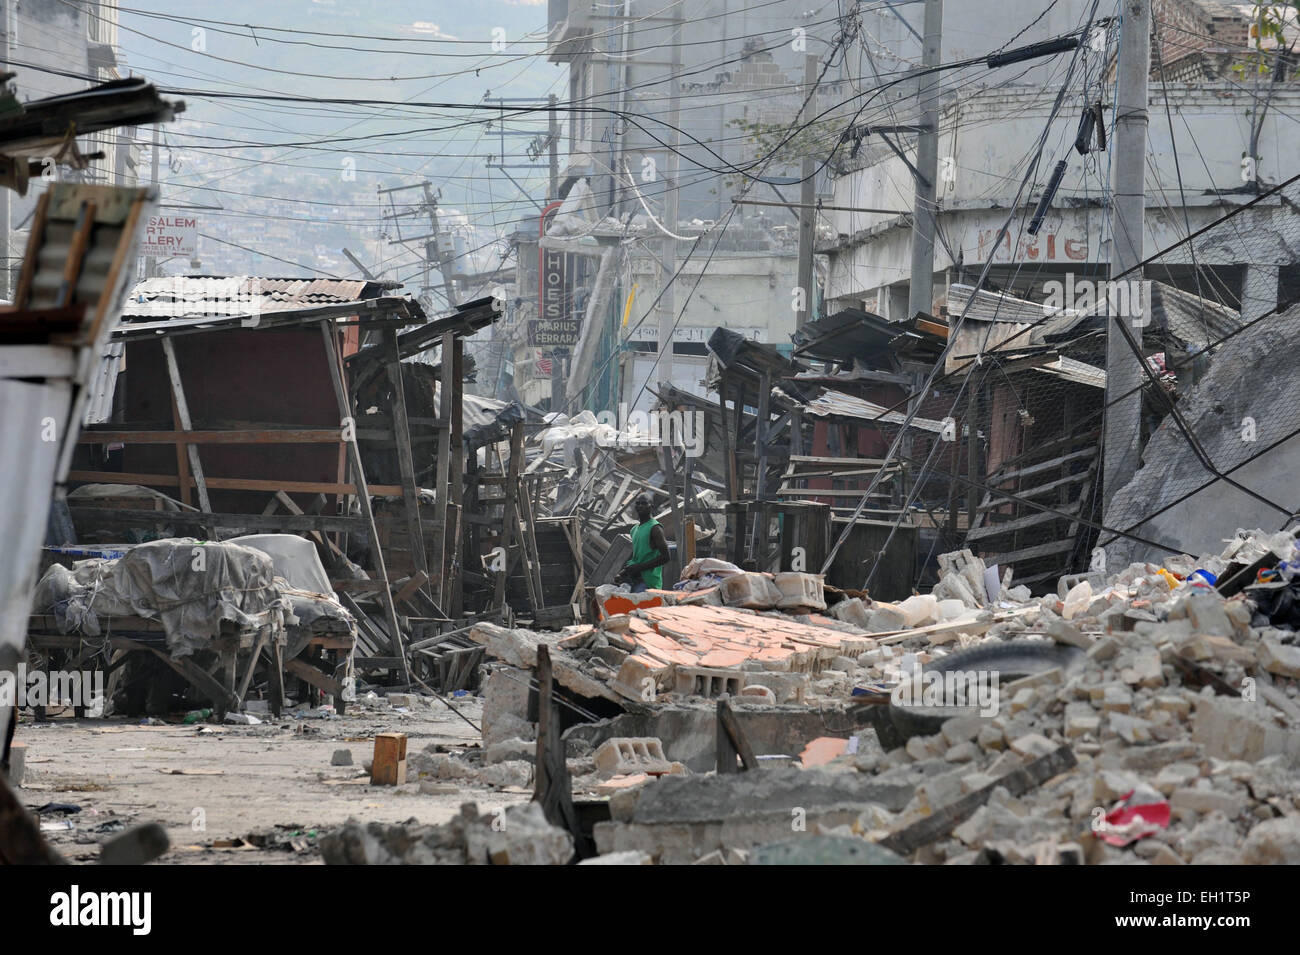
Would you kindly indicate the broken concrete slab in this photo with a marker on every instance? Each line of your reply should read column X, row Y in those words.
column 1237, row 729
column 689, row 730
column 824, row 850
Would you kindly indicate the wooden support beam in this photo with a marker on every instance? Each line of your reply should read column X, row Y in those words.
column 457, row 473
column 309, row 674
column 732, row 742
column 181, row 436
column 363, row 494
column 405, row 461
column 443, row 479
column 288, row 523
column 230, row 484
column 182, row 411
column 553, row 789
column 222, row 697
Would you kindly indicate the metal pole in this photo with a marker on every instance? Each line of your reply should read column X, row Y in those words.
column 5, row 265
column 667, row 304
column 920, row 296
column 151, row 264
column 554, row 192
column 1123, row 371
column 807, row 193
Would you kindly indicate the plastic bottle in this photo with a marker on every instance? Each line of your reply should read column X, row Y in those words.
column 195, row 716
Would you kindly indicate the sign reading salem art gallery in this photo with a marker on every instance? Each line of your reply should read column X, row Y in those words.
column 166, row 235
column 554, row 326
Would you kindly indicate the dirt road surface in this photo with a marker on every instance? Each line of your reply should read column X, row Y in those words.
column 231, row 794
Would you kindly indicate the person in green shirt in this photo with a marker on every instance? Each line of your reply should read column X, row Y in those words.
column 649, row 551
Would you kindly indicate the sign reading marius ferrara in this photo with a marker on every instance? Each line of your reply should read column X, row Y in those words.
column 554, row 326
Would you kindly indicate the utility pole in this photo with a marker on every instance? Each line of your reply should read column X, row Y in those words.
column 668, row 305
column 1127, row 211
column 668, row 254
column 151, row 264
column 559, row 355
column 433, row 246
column 807, row 193
column 920, row 297
column 553, row 192
column 5, row 245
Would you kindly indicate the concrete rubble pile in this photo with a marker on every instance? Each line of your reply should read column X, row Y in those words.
column 1140, row 717
column 518, row 835
column 1177, row 708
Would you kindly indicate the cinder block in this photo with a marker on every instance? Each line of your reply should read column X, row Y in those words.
column 788, row 687
column 800, row 590
column 755, row 591
column 708, row 682
column 389, row 765
column 756, row 692
column 626, row 756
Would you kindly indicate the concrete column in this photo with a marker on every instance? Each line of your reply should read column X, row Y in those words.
column 1259, row 291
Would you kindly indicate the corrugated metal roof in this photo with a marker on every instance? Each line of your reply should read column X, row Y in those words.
column 102, row 384
column 199, row 296
column 838, row 404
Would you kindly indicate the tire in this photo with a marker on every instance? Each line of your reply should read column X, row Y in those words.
column 1011, row 661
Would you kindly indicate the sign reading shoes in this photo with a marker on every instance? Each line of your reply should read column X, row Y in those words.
column 76, row 908
column 555, row 326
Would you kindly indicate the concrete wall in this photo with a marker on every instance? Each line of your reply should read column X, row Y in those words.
column 1234, row 424
column 989, row 134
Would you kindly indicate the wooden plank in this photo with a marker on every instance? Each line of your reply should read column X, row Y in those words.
column 141, row 517
column 847, row 462
column 732, row 742
column 31, row 255
column 1000, row 500
column 1020, row 523
column 230, row 484
column 830, row 492
column 182, row 409
column 221, row 696
column 262, row 636
column 93, row 435
column 938, row 824
column 363, row 494
column 76, row 255
column 125, row 249
column 456, row 474
column 1032, row 553
column 309, row 674
column 292, row 507
column 418, row 580
column 1044, row 466
column 553, row 789
column 442, row 478
column 405, row 461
